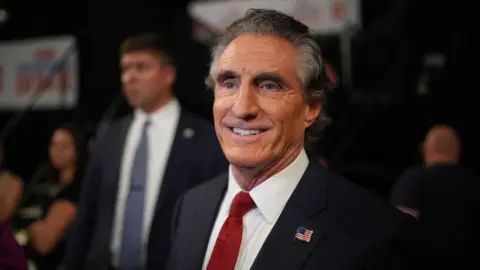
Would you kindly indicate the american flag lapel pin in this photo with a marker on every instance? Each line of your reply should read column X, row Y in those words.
column 188, row 133
column 304, row 234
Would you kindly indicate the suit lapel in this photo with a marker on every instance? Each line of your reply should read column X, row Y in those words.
column 304, row 209
column 204, row 219
column 176, row 159
column 114, row 154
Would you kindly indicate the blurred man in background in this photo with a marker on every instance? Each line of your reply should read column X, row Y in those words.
column 443, row 196
column 140, row 167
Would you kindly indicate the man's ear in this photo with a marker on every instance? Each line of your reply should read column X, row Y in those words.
column 171, row 75
column 312, row 111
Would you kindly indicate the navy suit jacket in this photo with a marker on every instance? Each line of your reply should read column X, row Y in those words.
column 193, row 160
column 352, row 229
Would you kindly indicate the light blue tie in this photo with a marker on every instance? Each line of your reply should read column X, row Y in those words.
column 131, row 246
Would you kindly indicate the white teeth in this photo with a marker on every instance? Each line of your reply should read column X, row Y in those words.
column 246, row 132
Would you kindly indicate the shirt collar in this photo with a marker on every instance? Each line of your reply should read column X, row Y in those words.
column 272, row 195
column 159, row 116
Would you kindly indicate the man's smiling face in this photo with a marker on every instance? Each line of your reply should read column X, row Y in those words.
column 259, row 110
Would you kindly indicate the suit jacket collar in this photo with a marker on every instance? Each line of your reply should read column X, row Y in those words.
column 304, row 208
column 111, row 172
column 184, row 132
column 177, row 157
column 116, row 146
column 207, row 214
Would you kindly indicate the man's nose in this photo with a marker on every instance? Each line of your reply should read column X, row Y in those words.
column 246, row 103
column 128, row 77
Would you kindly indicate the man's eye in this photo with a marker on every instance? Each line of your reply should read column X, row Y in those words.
column 270, row 86
column 229, row 84
column 140, row 67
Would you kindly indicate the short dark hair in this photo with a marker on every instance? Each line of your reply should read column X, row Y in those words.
column 80, row 141
column 149, row 42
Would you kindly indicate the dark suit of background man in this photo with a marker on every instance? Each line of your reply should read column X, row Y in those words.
column 141, row 167
column 444, row 197
column 275, row 209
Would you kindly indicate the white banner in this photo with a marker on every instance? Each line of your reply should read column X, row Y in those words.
column 321, row 16
column 49, row 65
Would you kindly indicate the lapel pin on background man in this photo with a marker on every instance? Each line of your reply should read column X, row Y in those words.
column 141, row 166
column 269, row 83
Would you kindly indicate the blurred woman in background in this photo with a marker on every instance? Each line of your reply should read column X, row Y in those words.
column 11, row 190
column 47, row 235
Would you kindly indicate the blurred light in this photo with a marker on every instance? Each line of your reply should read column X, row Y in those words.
column 3, row 15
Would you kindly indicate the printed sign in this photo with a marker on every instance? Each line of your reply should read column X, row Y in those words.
column 321, row 16
column 43, row 68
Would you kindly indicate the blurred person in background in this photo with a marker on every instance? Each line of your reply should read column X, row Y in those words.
column 443, row 196
column 141, row 166
column 11, row 254
column 11, row 190
column 57, row 196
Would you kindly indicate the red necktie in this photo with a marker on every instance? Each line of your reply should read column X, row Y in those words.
column 225, row 252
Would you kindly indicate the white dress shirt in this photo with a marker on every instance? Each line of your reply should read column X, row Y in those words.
column 161, row 133
column 270, row 197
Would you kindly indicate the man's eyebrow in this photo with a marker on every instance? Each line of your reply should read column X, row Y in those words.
column 258, row 78
column 226, row 74
column 270, row 76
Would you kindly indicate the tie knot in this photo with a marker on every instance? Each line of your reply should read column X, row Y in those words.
column 242, row 203
column 147, row 123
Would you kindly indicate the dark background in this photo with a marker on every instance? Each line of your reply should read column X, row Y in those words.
column 378, row 124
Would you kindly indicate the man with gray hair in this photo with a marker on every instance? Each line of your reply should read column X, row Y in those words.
column 275, row 209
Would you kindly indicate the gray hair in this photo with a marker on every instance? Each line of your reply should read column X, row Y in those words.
column 271, row 22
